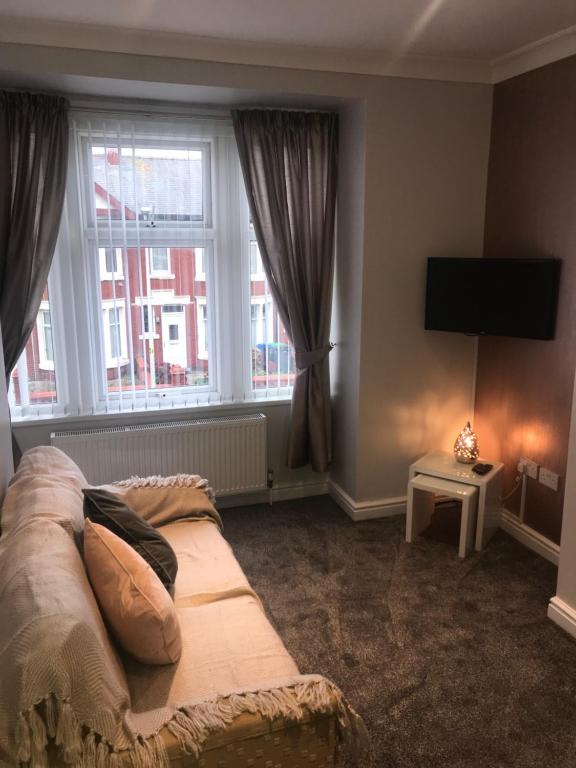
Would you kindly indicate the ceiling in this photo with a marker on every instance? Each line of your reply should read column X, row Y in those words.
column 473, row 31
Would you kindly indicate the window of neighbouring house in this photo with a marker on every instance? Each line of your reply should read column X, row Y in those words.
column 33, row 380
column 161, row 293
column 273, row 365
column 110, row 263
column 160, row 262
column 200, row 270
column 45, row 346
column 202, row 328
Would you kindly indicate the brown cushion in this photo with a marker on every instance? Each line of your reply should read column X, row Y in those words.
column 112, row 512
column 132, row 598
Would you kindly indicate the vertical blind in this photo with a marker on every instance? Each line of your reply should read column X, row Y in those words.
column 147, row 215
column 157, row 297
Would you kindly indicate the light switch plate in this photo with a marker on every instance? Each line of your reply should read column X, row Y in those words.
column 548, row 478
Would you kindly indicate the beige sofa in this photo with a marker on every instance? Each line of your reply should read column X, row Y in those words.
column 69, row 697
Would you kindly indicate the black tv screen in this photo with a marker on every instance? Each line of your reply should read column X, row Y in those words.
column 499, row 297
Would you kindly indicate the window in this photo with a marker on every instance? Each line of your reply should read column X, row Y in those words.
column 45, row 346
column 201, row 329
column 200, row 269
column 146, row 320
column 114, row 320
column 160, row 262
column 110, row 263
column 256, row 266
column 273, row 365
column 171, row 304
column 262, row 319
column 33, row 381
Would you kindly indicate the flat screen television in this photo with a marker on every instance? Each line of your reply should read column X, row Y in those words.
column 497, row 297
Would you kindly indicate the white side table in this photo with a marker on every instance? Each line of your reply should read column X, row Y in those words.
column 444, row 465
column 422, row 490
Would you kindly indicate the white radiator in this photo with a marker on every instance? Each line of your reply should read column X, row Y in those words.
column 230, row 452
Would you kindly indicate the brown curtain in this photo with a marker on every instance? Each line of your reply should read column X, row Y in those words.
column 33, row 162
column 289, row 162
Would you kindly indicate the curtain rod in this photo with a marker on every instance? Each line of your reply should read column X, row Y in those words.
column 174, row 109
column 112, row 105
column 159, row 109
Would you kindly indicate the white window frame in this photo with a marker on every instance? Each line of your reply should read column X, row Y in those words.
column 202, row 307
column 162, row 274
column 260, row 275
column 163, row 234
column 118, row 305
column 199, row 266
column 267, row 322
column 151, row 332
column 81, row 339
column 105, row 274
column 44, row 363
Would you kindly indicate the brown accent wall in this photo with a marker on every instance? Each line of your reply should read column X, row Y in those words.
column 524, row 387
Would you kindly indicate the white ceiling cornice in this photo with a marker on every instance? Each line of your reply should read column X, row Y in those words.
column 355, row 61
column 537, row 54
column 183, row 46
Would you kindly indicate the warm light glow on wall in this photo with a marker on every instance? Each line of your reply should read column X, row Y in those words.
column 532, row 439
column 427, row 422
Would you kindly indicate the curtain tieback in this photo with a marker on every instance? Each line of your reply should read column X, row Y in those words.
column 305, row 358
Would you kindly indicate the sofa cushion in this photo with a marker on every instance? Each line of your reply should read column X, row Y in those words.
column 132, row 598
column 214, row 600
column 47, row 486
column 207, row 568
column 109, row 510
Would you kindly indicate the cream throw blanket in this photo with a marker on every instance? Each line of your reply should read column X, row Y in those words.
column 61, row 678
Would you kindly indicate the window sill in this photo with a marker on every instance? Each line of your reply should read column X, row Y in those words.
column 116, row 362
column 158, row 414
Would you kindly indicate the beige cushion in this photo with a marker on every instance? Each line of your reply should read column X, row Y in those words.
column 132, row 598
column 159, row 505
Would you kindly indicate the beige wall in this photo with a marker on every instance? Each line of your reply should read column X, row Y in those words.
column 347, row 308
column 425, row 192
column 412, row 185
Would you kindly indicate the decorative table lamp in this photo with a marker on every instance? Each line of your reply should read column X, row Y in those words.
column 466, row 446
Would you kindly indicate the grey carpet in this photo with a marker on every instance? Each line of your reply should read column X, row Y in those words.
column 451, row 663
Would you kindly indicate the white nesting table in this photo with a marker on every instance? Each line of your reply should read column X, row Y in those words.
column 441, row 464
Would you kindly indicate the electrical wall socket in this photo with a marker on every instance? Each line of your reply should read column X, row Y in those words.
column 528, row 466
column 548, row 478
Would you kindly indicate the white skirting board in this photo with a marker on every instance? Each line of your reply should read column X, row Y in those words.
column 386, row 507
column 369, row 510
column 282, row 492
column 366, row 510
column 562, row 614
column 529, row 537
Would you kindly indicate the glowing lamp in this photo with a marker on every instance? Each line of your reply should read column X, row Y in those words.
column 466, row 446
